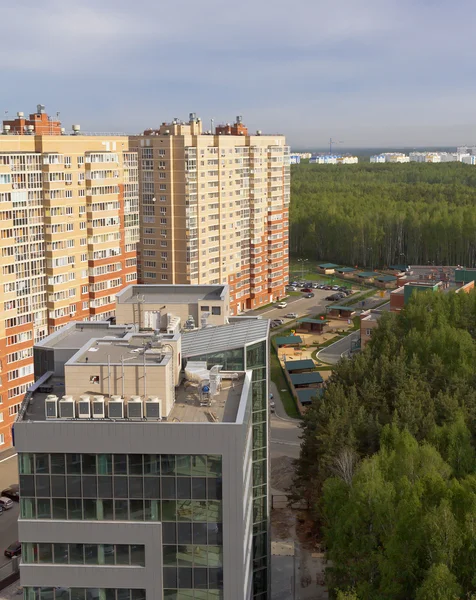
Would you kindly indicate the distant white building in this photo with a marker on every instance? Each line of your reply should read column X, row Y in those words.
column 294, row 159
column 469, row 159
column 464, row 150
column 333, row 159
column 390, row 157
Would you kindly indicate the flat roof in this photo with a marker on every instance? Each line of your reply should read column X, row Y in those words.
column 170, row 293
column 306, row 395
column 298, row 365
column 367, row 274
column 77, row 334
column 337, row 307
column 290, row 339
column 223, row 408
column 346, row 269
column 224, row 337
column 327, row 266
column 398, row 267
column 302, row 378
column 134, row 351
column 309, row 320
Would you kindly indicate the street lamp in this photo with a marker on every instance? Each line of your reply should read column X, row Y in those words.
column 302, row 261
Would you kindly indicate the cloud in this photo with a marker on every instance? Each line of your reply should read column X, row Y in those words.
column 364, row 71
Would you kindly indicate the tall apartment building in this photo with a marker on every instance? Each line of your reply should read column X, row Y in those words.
column 143, row 458
column 214, row 209
column 68, row 239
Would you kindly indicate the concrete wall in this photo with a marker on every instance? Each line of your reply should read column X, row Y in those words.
column 157, row 381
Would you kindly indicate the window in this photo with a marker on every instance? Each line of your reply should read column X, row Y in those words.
column 164, row 277
column 2, row 439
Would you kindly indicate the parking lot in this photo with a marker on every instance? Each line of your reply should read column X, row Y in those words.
column 304, row 307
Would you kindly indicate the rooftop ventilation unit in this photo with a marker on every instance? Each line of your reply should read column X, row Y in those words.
column 115, row 408
column 99, row 407
column 152, row 408
column 135, row 408
column 67, row 407
column 84, row 407
column 51, row 407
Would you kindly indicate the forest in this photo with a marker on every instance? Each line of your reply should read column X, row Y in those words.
column 375, row 215
column 388, row 461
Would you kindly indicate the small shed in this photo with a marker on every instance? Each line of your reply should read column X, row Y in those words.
column 367, row 275
column 290, row 340
column 300, row 380
column 299, row 366
column 327, row 268
column 398, row 268
column 346, row 271
column 306, row 325
column 385, row 281
column 306, row 395
column 340, row 312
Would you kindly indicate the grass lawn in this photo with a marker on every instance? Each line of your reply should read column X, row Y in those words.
column 277, row 376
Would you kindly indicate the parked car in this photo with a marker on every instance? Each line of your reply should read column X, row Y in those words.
column 341, row 295
column 281, row 305
column 333, row 297
column 5, row 503
column 321, row 286
column 291, row 288
column 306, row 290
column 310, row 295
column 1, row 511
column 12, row 492
column 294, row 283
column 272, row 406
column 279, row 321
column 315, row 286
column 291, row 316
column 335, row 288
column 274, row 325
column 327, row 287
column 13, row 550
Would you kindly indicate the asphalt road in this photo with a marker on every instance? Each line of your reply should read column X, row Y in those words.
column 304, row 307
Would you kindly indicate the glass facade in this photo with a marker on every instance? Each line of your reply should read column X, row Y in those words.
column 184, row 492
column 83, row 554
column 61, row 593
column 254, row 358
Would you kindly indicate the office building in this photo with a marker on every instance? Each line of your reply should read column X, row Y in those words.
column 144, row 459
column 69, row 222
column 214, row 209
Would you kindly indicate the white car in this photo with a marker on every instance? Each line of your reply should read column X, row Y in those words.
column 291, row 316
column 281, row 305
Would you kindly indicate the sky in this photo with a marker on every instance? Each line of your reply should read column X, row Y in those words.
column 372, row 73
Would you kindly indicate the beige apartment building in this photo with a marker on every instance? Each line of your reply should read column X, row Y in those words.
column 214, row 209
column 69, row 227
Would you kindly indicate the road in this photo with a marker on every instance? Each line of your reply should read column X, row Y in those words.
column 8, row 519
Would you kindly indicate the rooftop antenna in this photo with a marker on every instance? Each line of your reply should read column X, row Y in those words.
column 211, row 125
column 331, row 141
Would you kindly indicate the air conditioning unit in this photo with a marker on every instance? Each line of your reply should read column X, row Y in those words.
column 67, row 407
column 51, row 407
column 115, row 408
column 152, row 408
column 99, row 407
column 135, row 408
column 84, row 407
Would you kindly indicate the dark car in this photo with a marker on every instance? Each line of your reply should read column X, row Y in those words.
column 328, row 287
column 333, row 297
column 12, row 493
column 13, row 550
column 306, row 290
column 310, row 295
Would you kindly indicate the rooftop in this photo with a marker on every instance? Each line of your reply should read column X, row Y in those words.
column 225, row 337
column 306, row 395
column 137, row 350
column 309, row 320
column 306, row 378
column 299, row 365
column 223, row 408
column 327, row 266
column 386, row 278
column 288, row 340
column 345, row 270
column 367, row 274
column 77, row 334
column 170, row 294
column 339, row 307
